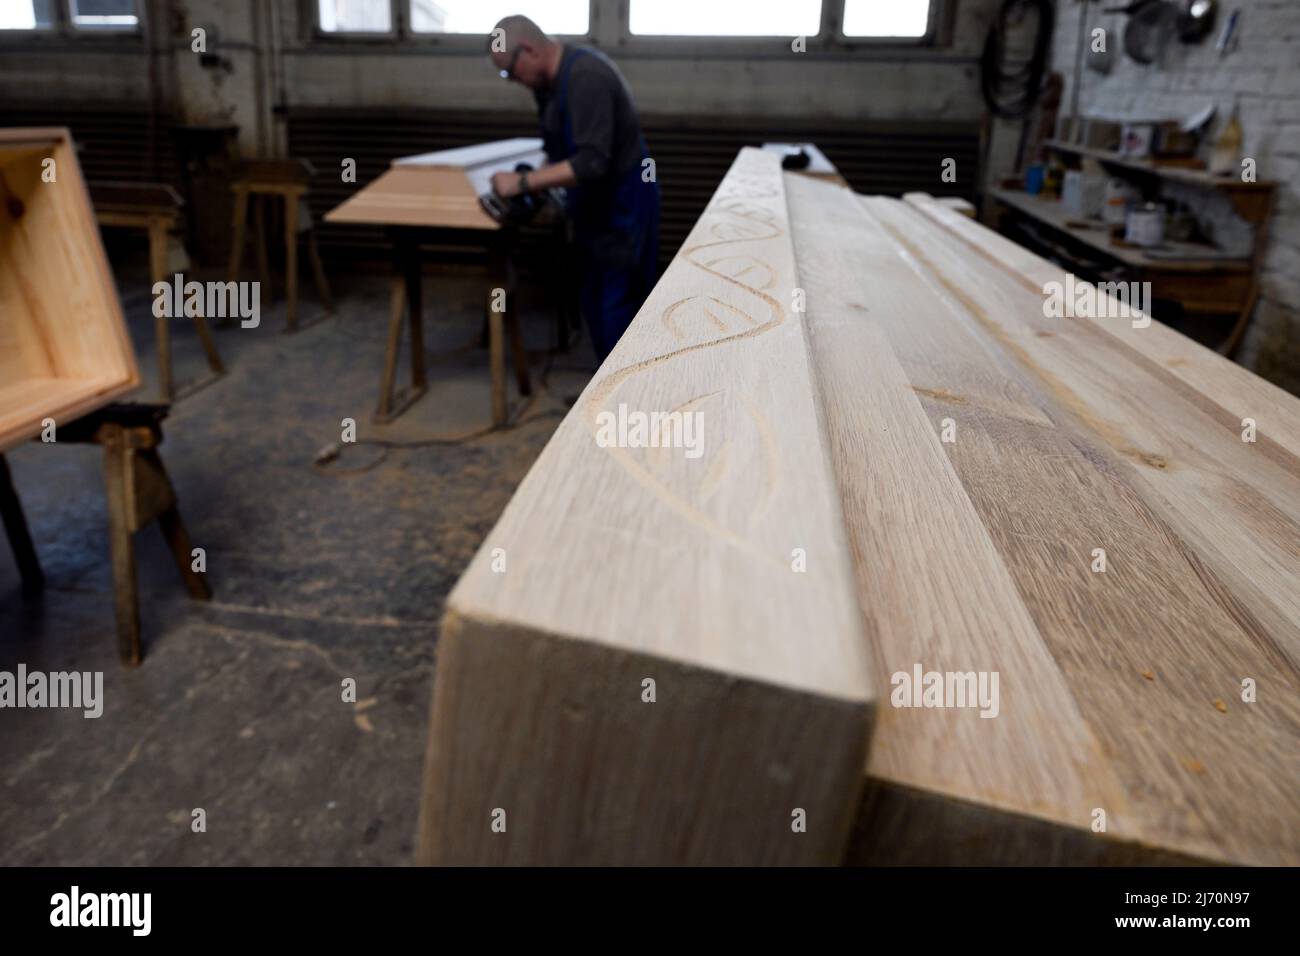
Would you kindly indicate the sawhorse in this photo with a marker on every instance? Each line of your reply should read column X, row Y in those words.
column 138, row 492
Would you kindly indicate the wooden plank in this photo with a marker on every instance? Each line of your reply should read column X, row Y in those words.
column 819, row 167
column 958, row 205
column 955, row 203
column 1192, row 177
column 416, row 196
column 479, row 154
column 613, row 565
column 933, row 587
column 1208, row 401
column 1235, row 504
column 438, row 189
column 1119, row 690
column 275, row 173
column 151, row 199
column 1226, row 390
column 480, row 161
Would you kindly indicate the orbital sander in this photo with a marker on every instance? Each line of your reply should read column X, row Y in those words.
column 516, row 209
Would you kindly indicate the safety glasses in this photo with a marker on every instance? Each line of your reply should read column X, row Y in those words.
column 509, row 72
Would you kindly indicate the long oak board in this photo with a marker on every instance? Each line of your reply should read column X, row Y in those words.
column 985, row 453
column 656, row 656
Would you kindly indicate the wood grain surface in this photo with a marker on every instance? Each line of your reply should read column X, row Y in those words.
column 1094, row 511
column 416, row 196
column 1120, row 690
column 723, row 576
column 64, row 349
column 438, row 189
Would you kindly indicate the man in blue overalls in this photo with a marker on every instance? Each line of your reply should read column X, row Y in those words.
column 595, row 150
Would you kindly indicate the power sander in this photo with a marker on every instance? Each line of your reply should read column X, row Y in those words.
column 516, row 209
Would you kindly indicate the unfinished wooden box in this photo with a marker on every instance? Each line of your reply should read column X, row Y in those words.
column 64, row 349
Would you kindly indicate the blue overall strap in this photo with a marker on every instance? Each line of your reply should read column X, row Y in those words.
column 563, row 99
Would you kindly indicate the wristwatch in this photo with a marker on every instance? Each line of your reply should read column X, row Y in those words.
column 523, row 182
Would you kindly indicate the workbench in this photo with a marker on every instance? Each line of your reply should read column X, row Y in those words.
column 434, row 197
column 1198, row 277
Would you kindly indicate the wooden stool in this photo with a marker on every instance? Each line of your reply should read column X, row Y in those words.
column 138, row 491
column 153, row 207
column 267, row 180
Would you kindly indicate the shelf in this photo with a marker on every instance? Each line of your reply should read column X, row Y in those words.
column 1180, row 174
column 1172, row 256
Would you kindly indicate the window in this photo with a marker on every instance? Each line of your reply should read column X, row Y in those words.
column 465, row 22
column 898, row 18
column 356, row 16
column 26, row 14
column 103, row 14
column 563, row 17
column 726, row 18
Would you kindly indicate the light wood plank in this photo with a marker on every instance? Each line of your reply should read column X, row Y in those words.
column 1108, row 680
column 931, row 582
column 438, row 189
column 1225, row 389
column 1235, row 504
column 416, row 196
column 631, row 563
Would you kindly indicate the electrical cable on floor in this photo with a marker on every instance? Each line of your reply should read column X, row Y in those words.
column 1011, row 90
column 331, row 453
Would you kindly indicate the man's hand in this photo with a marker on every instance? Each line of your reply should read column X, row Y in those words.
column 506, row 184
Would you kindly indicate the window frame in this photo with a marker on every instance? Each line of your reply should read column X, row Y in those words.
column 62, row 31
column 65, row 6
column 404, row 33
column 477, row 40
column 59, row 7
column 936, row 18
column 829, row 39
column 609, row 25
column 630, row 40
column 396, row 8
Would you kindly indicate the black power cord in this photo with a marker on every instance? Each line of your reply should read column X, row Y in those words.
column 330, row 453
column 326, row 457
column 1012, row 89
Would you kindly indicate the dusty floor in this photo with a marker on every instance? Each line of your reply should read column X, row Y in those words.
column 318, row 576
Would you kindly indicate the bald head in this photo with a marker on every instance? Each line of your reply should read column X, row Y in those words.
column 523, row 53
column 518, row 27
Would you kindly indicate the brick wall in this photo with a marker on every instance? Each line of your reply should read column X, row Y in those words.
column 1262, row 71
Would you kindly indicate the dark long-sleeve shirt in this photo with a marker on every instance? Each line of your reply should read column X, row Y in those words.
column 603, row 120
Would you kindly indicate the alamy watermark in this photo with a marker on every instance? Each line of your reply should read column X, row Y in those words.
column 941, row 689
column 211, row 300
column 72, row 689
column 633, row 429
column 1074, row 298
column 75, row 909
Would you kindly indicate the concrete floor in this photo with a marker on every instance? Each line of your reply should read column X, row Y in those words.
column 318, row 576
